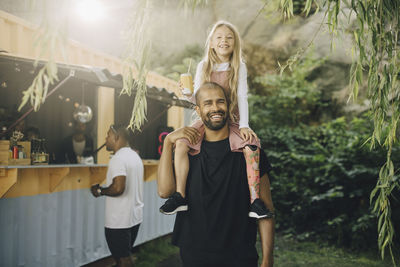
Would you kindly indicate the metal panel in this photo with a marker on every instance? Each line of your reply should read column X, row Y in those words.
column 66, row 228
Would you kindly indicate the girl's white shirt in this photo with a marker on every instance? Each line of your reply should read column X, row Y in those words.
column 242, row 89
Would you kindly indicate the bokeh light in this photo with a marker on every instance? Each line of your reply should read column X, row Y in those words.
column 90, row 10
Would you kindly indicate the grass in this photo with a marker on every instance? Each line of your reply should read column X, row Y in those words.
column 155, row 251
column 288, row 253
column 291, row 253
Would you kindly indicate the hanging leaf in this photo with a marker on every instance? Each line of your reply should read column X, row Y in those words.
column 376, row 46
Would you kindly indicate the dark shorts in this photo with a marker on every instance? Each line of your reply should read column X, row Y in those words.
column 120, row 241
column 190, row 258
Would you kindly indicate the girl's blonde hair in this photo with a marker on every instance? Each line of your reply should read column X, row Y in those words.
column 211, row 58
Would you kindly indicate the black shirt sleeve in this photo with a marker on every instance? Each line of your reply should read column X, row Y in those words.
column 265, row 166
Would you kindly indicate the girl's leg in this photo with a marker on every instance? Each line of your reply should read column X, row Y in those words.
column 257, row 207
column 252, row 156
column 181, row 163
column 177, row 202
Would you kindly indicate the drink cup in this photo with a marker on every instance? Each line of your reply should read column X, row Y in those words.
column 187, row 83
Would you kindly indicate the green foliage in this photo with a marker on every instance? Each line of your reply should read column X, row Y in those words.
column 183, row 62
column 192, row 4
column 323, row 172
column 154, row 252
column 289, row 99
column 322, row 179
column 286, row 7
column 288, row 253
column 137, row 58
column 291, row 253
column 376, row 43
column 37, row 91
column 50, row 39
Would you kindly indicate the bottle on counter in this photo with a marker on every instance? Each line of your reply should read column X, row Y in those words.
column 43, row 151
column 35, row 150
column 15, row 152
column 21, row 152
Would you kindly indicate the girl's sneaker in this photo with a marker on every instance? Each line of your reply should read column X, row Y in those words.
column 174, row 204
column 259, row 211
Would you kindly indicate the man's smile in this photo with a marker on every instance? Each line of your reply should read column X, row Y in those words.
column 216, row 116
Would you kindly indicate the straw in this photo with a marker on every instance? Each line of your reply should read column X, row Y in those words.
column 190, row 64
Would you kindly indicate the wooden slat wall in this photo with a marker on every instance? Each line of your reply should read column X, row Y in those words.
column 105, row 113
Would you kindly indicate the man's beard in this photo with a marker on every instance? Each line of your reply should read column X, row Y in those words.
column 108, row 148
column 215, row 126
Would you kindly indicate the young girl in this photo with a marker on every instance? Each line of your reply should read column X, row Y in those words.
column 223, row 65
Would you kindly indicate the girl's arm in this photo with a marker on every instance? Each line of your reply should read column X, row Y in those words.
column 245, row 132
column 197, row 80
column 242, row 90
column 196, row 84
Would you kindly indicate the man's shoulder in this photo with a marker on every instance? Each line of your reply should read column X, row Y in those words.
column 127, row 155
column 219, row 147
column 124, row 152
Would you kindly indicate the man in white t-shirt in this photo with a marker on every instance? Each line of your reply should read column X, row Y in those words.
column 124, row 195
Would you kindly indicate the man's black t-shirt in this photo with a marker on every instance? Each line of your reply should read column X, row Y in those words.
column 216, row 228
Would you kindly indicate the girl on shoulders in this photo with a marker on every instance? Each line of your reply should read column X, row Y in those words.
column 222, row 64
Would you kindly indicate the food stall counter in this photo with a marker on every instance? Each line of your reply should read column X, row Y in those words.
column 30, row 180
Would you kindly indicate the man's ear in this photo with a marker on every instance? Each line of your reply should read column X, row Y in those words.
column 116, row 137
column 197, row 110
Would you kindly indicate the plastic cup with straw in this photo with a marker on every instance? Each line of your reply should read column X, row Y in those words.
column 187, row 81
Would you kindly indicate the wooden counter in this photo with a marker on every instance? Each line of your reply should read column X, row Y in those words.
column 17, row 181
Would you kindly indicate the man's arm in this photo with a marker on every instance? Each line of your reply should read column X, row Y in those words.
column 166, row 178
column 117, row 188
column 266, row 227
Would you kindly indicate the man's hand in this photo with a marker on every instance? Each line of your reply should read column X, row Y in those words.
column 95, row 190
column 267, row 262
column 247, row 134
column 190, row 133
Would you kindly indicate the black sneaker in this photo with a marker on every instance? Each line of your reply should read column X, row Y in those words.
column 259, row 211
column 174, row 204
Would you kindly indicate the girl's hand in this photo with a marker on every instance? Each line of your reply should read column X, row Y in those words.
column 190, row 133
column 185, row 92
column 248, row 134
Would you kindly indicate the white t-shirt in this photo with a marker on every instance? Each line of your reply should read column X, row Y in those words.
column 242, row 89
column 126, row 210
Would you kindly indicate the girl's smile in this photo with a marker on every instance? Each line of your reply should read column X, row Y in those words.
column 223, row 42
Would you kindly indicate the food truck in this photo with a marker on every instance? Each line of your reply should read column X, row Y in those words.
column 47, row 215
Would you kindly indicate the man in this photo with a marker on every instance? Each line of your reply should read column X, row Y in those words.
column 79, row 144
column 216, row 230
column 32, row 133
column 124, row 195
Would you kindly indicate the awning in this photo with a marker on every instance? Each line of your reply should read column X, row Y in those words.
column 13, row 67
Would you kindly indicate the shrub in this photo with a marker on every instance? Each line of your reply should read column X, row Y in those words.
column 322, row 179
column 323, row 173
